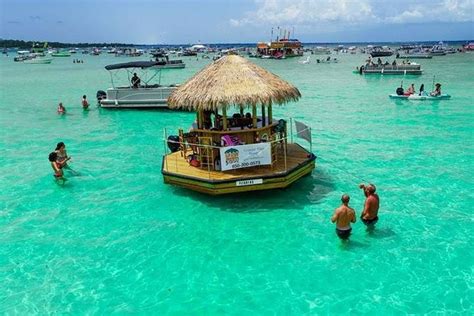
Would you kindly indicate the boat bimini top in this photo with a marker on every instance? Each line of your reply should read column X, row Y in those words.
column 134, row 66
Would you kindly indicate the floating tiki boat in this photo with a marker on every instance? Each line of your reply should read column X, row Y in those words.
column 225, row 153
column 399, row 69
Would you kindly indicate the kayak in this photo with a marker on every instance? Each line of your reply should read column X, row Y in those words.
column 420, row 97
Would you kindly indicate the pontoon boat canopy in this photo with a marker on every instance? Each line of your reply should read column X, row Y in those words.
column 134, row 64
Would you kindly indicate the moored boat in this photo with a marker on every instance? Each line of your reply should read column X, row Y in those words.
column 420, row 97
column 390, row 69
column 164, row 62
column 419, row 55
column 235, row 153
column 381, row 51
column 61, row 54
column 281, row 48
column 144, row 94
column 38, row 60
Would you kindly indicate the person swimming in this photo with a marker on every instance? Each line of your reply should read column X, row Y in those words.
column 343, row 216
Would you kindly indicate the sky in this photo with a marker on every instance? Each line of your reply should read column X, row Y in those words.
column 236, row 21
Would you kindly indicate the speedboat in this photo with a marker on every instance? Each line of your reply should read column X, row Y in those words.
column 38, row 60
column 146, row 95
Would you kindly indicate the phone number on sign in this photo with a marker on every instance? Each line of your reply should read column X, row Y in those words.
column 245, row 164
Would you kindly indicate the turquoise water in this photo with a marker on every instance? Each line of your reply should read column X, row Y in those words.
column 115, row 239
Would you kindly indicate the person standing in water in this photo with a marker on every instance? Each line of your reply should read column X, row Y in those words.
column 61, row 108
column 61, row 155
column 369, row 215
column 343, row 216
column 57, row 167
column 85, row 103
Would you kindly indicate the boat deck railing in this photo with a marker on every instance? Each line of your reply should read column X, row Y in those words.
column 284, row 155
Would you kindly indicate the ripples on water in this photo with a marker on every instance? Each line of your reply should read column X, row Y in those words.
column 115, row 239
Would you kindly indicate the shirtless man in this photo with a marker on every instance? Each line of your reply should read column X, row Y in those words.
column 370, row 212
column 343, row 217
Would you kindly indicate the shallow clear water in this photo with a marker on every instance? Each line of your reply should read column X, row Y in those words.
column 115, row 239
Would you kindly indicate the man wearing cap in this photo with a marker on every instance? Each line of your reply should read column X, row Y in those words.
column 370, row 212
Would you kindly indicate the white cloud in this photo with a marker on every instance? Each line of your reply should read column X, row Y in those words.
column 444, row 11
column 279, row 12
column 351, row 12
column 411, row 16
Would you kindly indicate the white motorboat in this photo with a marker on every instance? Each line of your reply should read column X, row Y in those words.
column 38, row 60
column 145, row 94
column 319, row 50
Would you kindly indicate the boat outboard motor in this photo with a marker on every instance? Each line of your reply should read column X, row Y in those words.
column 173, row 143
column 100, row 95
column 399, row 91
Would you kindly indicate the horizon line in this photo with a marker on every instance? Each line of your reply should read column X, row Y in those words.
column 241, row 43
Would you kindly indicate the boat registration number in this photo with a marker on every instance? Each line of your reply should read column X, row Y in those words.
column 248, row 182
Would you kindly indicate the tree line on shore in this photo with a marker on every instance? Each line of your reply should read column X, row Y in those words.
column 29, row 44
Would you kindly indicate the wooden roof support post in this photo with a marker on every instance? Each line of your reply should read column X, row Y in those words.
column 199, row 118
column 224, row 118
column 270, row 118
column 254, row 116
column 263, row 115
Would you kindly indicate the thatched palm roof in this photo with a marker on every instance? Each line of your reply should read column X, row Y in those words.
column 232, row 81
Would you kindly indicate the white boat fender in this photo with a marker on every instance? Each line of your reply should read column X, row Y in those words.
column 382, row 70
column 405, row 72
column 116, row 102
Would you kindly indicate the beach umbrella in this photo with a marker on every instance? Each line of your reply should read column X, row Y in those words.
column 232, row 81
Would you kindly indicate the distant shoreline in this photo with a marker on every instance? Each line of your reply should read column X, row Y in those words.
column 28, row 44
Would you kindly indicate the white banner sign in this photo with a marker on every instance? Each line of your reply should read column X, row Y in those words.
column 244, row 156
